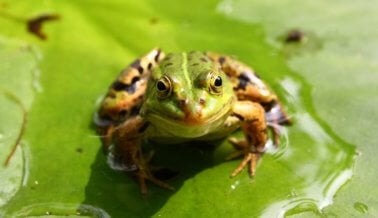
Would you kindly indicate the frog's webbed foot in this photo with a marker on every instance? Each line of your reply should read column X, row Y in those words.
column 127, row 151
column 250, row 157
column 146, row 172
column 142, row 175
column 252, row 118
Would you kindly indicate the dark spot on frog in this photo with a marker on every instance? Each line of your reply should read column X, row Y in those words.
column 294, row 36
column 135, row 110
column 135, row 79
column 106, row 118
column 122, row 113
column 221, row 60
column 34, row 25
column 168, row 64
column 204, row 60
column 269, row 105
column 140, row 69
column 79, row 150
column 143, row 127
column 135, row 64
column 248, row 138
column 111, row 95
column 149, row 66
column 182, row 103
column 120, row 86
column 240, row 117
column 243, row 81
column 195, row 64
column 202, row 101
column 157, row 56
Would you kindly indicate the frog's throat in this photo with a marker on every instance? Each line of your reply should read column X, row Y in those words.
column 188, row 128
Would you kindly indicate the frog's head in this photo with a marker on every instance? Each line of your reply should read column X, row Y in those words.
column 189, row 94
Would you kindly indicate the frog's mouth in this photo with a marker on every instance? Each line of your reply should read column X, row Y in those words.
column 189, row 127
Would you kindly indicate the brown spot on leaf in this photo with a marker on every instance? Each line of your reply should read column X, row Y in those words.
column 294, row 36
column 154, row 20
column 35, row 24
column 3, row 4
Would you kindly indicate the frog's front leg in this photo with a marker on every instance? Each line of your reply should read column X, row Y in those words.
column 253, row 123
column 128, row 139
column 248, row 86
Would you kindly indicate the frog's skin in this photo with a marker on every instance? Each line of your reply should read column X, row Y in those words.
column 183, row 97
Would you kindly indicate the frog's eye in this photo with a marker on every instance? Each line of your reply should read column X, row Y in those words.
column 216, row 84
column 163, row 87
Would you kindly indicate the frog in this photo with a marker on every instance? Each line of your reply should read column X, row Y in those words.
column 183, row 97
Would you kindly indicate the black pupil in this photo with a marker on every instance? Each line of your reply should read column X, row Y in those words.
column 218, row 81
column 161, row 86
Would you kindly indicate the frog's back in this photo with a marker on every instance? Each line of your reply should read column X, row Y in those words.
column 125, row 95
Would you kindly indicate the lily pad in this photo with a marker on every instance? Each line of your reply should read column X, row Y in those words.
column 332, row 108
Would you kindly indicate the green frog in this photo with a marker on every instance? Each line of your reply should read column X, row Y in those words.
column 188, row 96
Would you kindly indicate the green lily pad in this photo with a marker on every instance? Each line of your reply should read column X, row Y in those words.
column 332, row 107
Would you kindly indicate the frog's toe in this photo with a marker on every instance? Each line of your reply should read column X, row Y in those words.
column 161, row 183
column 143, row 176
column 148, row 156
column 250, row 159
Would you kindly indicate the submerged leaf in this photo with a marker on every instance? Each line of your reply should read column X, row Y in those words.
column 17, row 73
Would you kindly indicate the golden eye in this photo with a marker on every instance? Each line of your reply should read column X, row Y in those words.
column 163, row 87
column 216, row 84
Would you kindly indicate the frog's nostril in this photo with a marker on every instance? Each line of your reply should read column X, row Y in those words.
column 183, row 102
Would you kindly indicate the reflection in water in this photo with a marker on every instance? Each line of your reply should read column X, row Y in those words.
column 326, row 168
